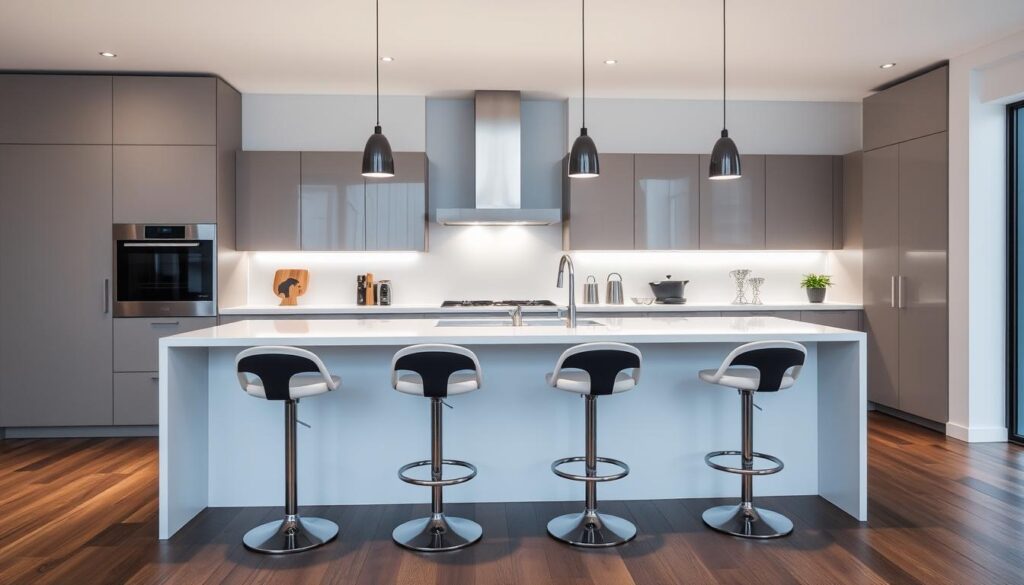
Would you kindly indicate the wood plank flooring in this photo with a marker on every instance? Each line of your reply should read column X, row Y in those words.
column 83, row 511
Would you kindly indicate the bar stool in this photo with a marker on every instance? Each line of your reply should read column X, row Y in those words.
column 288, row 374
column 592, row 370
column 762, row 366
column 436, row 371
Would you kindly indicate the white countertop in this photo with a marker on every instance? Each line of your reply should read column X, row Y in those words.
column 377, row 332
column 435, row 309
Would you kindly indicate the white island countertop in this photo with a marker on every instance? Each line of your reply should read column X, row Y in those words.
column 628, row 307
column 498, row 331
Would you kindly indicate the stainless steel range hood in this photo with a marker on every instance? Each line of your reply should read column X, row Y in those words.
column 498, row 168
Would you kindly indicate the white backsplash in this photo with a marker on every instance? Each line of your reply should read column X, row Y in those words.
column 489, row 262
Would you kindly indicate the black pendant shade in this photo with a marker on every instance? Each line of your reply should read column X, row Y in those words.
column 725, row 159
column 377, row 158
column 583, row 160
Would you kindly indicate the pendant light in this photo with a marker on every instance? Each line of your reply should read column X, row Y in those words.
column 725, row 158
column 378, row 161
column 583, row 161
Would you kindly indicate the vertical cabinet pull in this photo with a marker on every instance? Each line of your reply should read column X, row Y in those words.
column 899, row 293
column 892, row 292
column 106, row 296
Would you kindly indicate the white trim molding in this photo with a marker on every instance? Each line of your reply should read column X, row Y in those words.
column 977, row 434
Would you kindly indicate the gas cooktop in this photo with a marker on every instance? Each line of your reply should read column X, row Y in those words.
column 534, row 303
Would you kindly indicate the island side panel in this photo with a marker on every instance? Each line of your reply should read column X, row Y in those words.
column 184, row 435
column 842, row 420
column 511, row 429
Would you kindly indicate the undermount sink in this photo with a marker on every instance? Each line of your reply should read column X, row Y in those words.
column 534, row 322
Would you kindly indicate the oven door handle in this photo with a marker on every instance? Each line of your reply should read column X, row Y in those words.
column 160, row 244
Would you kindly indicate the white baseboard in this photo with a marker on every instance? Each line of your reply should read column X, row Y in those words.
column 75, row 432
column 977, row 434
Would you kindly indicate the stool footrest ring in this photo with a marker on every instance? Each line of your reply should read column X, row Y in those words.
column 591, row 478
column 767, row 471
column 434, row 482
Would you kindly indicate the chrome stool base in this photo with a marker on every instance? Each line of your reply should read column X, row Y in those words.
column 591, row 529
column 747, row 521
column 291, row 535
column 437, row 533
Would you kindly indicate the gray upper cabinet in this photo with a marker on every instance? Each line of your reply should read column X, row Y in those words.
column 396, row 208
column 55, row 109
column 732, row 212
column 333, row 201
column 667, row 202
column 798, row 202
column 600, row 209
column 55, row 343
column 267, row 207
column 165, row 184
column 915, row 108
column 165, row 110
column 924, row 350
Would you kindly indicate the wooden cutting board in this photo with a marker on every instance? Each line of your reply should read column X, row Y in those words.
column 290, row 284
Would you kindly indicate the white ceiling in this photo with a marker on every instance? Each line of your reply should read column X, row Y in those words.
column 778, row 49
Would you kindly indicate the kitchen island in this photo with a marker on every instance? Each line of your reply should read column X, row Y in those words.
column 221, row 447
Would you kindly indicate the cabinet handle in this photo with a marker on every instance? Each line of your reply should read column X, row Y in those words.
column 155, row 323
column 899, row 293
column 154, row 377
column 106, row 296
column 892, row 292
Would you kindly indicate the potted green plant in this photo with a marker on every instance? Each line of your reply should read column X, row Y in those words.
column 816, row 285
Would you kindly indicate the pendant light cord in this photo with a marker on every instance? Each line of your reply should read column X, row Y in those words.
column 377, row 63
column 583, row 57
column 723, row 65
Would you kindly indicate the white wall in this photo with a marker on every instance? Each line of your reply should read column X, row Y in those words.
column 506, row 262
column 980, row 84
column 689, row 126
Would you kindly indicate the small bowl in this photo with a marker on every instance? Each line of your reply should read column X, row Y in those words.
column 643, row 300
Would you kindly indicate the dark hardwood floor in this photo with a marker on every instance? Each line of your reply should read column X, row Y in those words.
column 83, row 511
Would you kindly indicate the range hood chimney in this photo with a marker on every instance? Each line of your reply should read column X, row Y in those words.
column 498, row 168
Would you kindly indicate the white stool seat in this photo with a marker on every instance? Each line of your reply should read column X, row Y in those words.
column 300, row 386
column 578, row 381
column 458, row 383
column 742, row 378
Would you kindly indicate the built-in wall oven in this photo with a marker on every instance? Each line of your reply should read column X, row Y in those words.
column 165, row 270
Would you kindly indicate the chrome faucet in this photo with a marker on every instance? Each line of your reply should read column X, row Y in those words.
column 571, row 320
column 517, row 316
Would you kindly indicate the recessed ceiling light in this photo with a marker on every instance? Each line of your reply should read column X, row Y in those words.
column 610, row 61
column 887, row 65
column 108, row 54
column 387, row 59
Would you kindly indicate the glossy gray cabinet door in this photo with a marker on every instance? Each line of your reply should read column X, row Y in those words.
column 791, row 315
column 55, row 322
column 136, row 341
column 880, row 231
column 165, row 184
column 333, row 201
column 667, row 205
column 798, row 202
column 600, row 209
column 841, row 319
column 732, row 211
column 165, row 110
column 55, row 109
column 923, row 237
column 267, row 200
column 915, row 108
column 396, row 208
column 136, row 398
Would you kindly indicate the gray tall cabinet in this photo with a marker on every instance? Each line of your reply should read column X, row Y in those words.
column 905, row 232
column 77, row 154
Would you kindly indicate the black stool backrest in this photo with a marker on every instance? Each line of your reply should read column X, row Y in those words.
column 275, row 371
column 603, row 366
column 772, row 363
column 434, row 369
